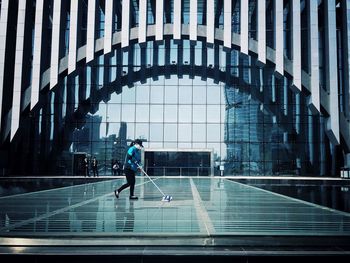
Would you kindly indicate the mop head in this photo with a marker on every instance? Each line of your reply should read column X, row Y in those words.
column 167, row 198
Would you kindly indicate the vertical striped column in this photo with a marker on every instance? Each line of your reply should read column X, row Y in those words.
column 108, row 27
column 193, row 20
column 38, row 31
column 90, row 37
column 3, row 36
column 55, row 43
column 73, row 29
column 177, row 19
column 159, row 19
column 142, row 21
column 210, row 22
column 17, row 81
column 125, row 23
column 332, row 125
column 227, row 24
column 244, row 26
column 346, row 44
column 314, row 99
column 296, row 46
column 261, row 32
column 279, row 69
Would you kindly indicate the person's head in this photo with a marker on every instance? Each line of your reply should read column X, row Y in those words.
column 138, row 144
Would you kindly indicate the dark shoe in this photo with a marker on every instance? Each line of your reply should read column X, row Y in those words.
column 116, row 193
column 132, row 197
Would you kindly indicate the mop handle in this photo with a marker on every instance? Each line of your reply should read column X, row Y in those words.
column 150, row 179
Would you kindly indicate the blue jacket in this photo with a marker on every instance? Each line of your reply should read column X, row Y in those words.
column 133, row 156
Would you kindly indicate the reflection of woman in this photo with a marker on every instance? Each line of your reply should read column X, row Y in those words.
column 132, row 160
column 125, row 218
column 130, row 219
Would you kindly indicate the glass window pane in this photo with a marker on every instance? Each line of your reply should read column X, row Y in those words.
column 113, row 112
column 161, row 55
column 128, row 95
column 157, row 94
column 185, row 132
column 130, row 128
column 213, row 132
column 213, row 113
column 170, row 132
column 185, row 94
column 213, row 93
column 185, row 113
column 198, row 54
column 199, row 132
column 142, row 113
column 171, row 94
column 112, row 128
column 186, row 51
column 102, row 132
column 156, row 113
column 173, row 52
column 102, row 111
column 210, row 57
column 199, row 95
column 156, row 132
column 128, row 112
column 142, row 94
column 142, row 130
column 170, row 145
column 170, row 113
column 199, row 113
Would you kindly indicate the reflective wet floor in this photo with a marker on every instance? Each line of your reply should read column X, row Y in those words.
column 200, row 207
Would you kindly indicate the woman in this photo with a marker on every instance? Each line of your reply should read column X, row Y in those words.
column 132, row 161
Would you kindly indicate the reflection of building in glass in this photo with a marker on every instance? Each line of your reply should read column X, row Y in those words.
column 120, row 144
column 243, row 130
column 87, row 138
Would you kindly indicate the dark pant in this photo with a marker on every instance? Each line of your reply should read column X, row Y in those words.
column 95, row 171
column 130, row 178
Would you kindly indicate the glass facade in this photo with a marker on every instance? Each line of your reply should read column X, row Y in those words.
column 177, row 95
column 250, row 120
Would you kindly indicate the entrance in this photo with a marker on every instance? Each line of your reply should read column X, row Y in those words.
column 178, row 162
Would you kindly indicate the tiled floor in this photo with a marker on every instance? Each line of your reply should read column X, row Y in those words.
column 200, row 207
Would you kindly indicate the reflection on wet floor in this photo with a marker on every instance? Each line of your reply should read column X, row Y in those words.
column 334, row 194
column 200, row 206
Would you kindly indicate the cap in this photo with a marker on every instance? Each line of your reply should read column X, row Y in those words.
column 139, row 142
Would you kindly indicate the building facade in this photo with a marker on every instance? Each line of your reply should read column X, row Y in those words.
column 241, row 87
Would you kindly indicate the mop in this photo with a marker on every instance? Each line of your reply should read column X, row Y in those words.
column 166, row 198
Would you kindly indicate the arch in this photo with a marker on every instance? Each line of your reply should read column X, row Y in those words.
column 201, row 33
column 75, row 120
